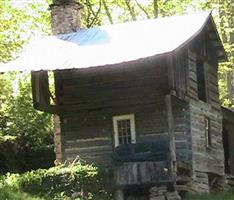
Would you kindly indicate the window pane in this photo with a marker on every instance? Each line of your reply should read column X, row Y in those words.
column 124, row 131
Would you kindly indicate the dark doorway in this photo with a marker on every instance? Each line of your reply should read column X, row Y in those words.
column 137, row 193
column 226, row 151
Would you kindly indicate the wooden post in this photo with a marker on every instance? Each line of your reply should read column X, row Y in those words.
column 57, row 140
column 119, row 195
column 171, row 133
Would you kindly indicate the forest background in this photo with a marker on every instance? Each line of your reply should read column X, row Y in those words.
column 26, row 135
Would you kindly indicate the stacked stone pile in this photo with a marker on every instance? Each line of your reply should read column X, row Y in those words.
column 157, row 193
column 161, row 193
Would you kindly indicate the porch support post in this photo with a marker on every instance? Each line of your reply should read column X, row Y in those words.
column 171, row 133
column 57, row 140
column 119, row 195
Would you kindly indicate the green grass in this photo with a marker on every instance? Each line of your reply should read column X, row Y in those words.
column 217, row 196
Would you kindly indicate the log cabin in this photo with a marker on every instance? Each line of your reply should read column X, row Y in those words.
column 140, row 99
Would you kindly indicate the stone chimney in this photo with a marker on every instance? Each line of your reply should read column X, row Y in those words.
column 65, row 16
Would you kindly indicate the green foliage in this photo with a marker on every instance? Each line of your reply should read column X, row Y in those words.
column 8, row 194
column 98, row 12
column 30, row 127
column 25, row 133
column 19, row 21
column 60, row 182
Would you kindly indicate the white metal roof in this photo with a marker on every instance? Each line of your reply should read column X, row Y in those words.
column 108, row 45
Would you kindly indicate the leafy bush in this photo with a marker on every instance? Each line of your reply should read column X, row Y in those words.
column 78, row 180
column 8, row 194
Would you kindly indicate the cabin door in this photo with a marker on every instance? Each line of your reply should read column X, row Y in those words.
column 124, row 129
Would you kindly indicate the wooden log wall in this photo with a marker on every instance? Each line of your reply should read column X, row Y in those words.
column 180, row 60
column 90, row 98
column 205, row 160
column 210, row 69
column 178, row 72
column 40, row 90
column 183, row 141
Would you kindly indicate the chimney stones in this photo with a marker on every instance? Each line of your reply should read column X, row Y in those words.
column 65, row 16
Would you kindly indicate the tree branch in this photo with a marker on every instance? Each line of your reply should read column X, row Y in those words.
column 156, row 8
column 92, row 15
column 131, row 11
column 107, row 12
column 141, row 7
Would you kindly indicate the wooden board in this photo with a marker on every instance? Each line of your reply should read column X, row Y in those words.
column 141, row 173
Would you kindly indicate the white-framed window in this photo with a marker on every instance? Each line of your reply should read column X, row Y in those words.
column 124, row 129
